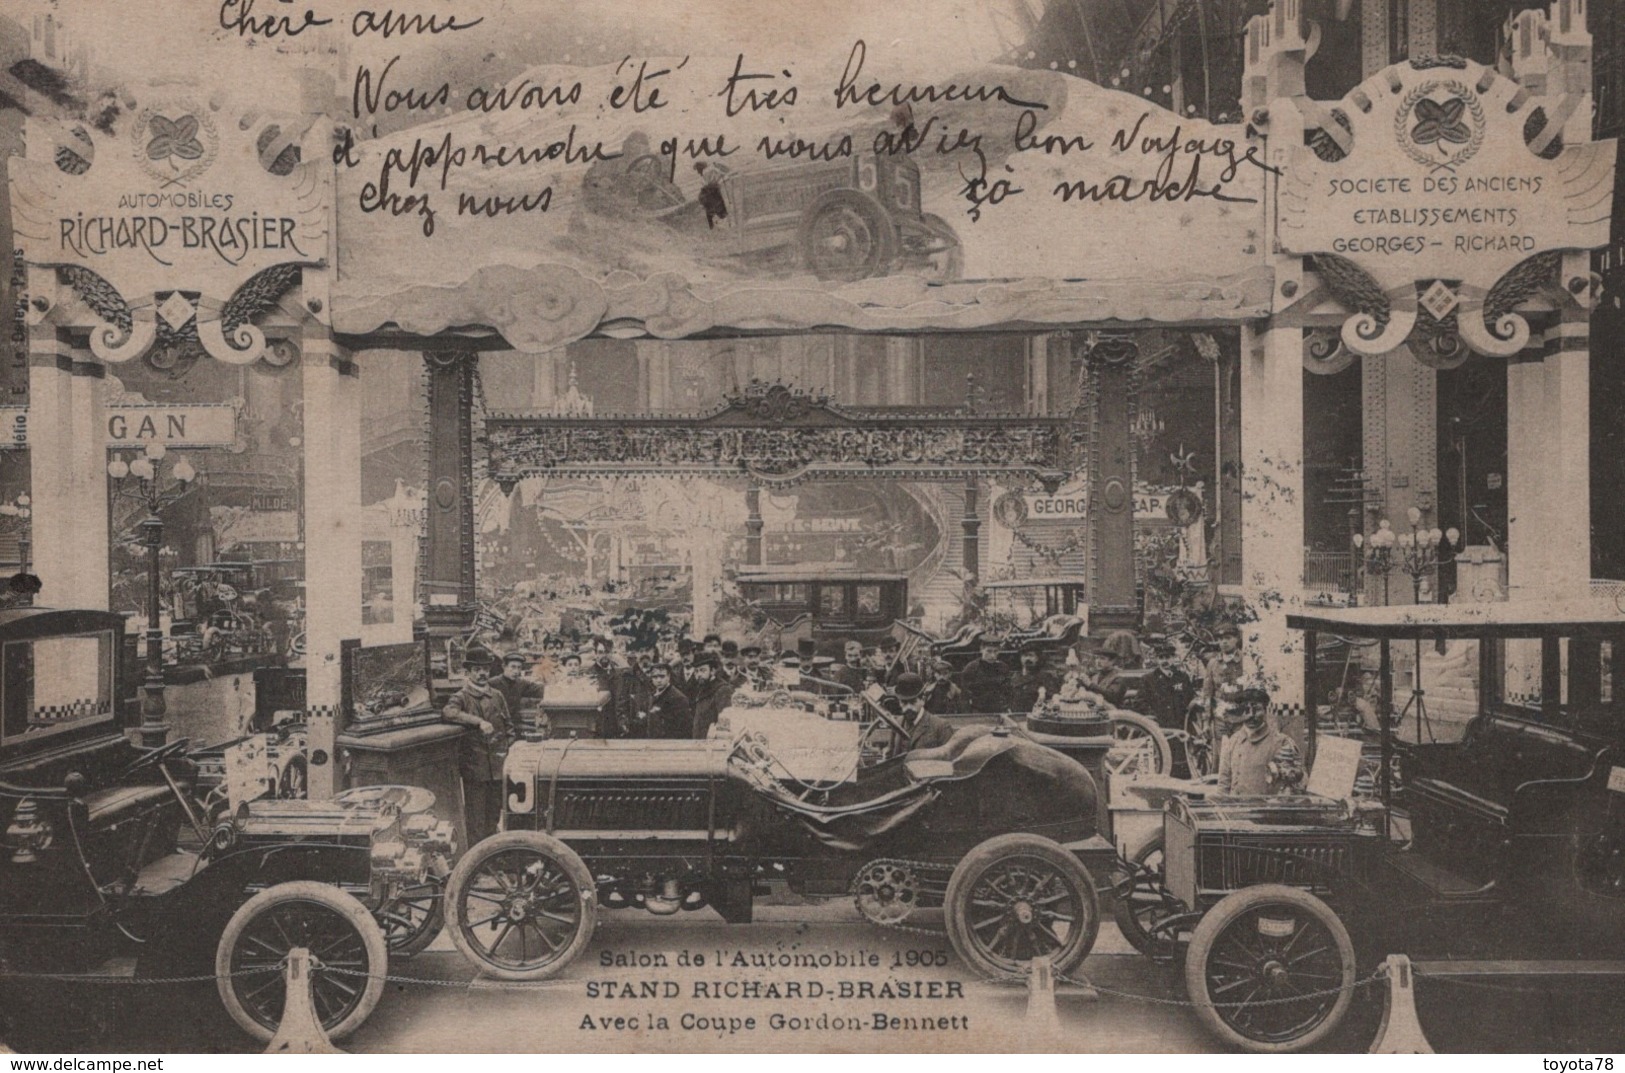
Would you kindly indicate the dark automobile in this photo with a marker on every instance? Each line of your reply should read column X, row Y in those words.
column 992, row 827
column 1506, row 859
column 120, row 860
column 830, row 606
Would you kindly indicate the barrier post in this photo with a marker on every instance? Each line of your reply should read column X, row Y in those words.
column 1043, row 1024
column 1401, row 1031
column 300, row 1031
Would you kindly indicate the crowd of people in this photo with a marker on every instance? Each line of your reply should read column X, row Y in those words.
column 677, row 687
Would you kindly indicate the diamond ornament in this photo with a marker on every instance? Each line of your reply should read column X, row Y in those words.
column 1440, row 300
column 176, row 310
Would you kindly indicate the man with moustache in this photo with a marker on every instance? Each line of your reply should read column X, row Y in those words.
column 709, row 695
column 484, row 713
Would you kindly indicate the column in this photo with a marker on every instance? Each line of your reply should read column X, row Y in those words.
column 899, row 349
column 1038, row 374
column 753, row 525
column 1113, row 602
column 1564, row 529
column 332, row 496
column 68, row 458
column 1227, row 433
column 1272, row 538
column 448, row 560
column 1527, row 427
column 545, row 379
column 971, row 527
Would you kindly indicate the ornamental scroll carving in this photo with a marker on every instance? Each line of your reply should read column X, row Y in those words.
column 779, row 434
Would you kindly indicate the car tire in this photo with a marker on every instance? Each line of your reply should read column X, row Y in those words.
column 483, row 911
column 1243, row 947
column 847, row 235
column 319, row 917
column 1134, row 916
column 1131, row 726
column 1039, row 882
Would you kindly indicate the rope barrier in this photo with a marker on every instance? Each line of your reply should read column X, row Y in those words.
column 126, row 981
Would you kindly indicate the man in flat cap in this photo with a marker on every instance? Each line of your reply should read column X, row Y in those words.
column 1166, row 689
column 942, row 695
column 1225, row 668
column 1256, row 759
column 1108, row 680
column 521, row 694
column 482, row 710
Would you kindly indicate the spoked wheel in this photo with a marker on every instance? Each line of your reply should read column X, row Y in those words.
column 521, row 905
column 414, row 916
column 1017, row 897
column 847, row 235
column 1270, row 968
column 1202, row 747
column 348, row 957
column 1139, row 747
column 1146, row 905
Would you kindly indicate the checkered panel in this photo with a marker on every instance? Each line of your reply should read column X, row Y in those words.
column 1289, row 718
column 49, row 714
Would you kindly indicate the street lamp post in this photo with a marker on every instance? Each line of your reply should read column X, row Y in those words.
column 149, row 493
column 1418, row 553
column 15, row 515
column 1375, row 555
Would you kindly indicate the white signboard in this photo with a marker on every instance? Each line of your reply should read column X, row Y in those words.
column 174, row 426
column 1070, row 502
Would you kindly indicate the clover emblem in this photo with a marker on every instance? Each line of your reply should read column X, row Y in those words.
column 174, row 138
column 1440, row 122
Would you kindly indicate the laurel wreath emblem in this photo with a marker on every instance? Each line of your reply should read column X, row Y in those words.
column 174, row 141
column 1445, row 123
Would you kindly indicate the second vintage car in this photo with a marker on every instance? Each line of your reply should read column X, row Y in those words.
column 120, row 860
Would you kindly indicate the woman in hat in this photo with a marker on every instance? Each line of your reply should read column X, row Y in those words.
column 482, row 710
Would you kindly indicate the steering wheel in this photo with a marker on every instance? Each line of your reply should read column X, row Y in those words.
column 155, row 756
column 885, row 719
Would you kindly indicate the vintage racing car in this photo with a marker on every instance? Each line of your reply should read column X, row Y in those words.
column 997, row 830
